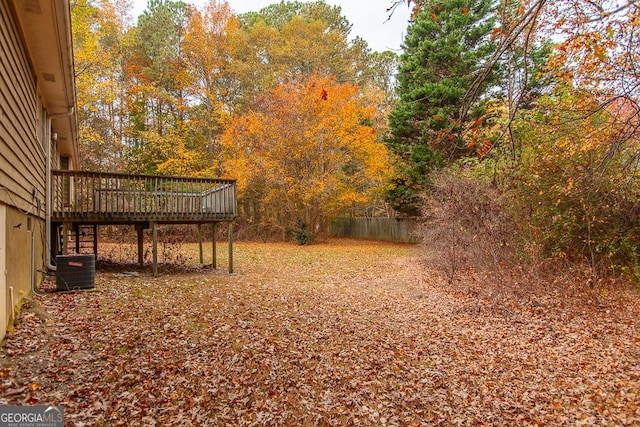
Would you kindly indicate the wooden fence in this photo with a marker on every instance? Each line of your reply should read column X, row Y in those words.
column 385, row 229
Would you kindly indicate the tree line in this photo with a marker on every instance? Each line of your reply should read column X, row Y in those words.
column 509, row 122
column 282, row 99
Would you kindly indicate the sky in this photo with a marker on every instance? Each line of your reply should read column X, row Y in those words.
column 368, row 17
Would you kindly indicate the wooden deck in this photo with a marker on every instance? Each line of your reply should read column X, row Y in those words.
column 81, row 198
column 117, row 198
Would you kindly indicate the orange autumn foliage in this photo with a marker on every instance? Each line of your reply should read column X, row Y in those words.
column 305, row 153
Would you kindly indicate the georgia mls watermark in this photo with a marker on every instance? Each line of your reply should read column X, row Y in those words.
column 31, row 416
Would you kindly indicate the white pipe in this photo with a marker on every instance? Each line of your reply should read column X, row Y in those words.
column 33, row 262
column 69, row 112
column 13, row 304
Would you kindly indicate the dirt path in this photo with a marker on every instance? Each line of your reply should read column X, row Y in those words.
column 345, row 333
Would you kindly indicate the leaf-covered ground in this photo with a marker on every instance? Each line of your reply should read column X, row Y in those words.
column 343, row 333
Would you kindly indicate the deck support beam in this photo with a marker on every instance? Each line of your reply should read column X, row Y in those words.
column 140, row 231
column 77, row 230
column 95, row 241
column 200, row 243
column 214, row 259
column 154, row 233
column 65, row 238
column 230, row 236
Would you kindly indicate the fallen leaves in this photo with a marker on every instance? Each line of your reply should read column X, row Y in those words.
column 346, row 333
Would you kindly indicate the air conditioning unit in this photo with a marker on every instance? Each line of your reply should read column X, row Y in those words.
column 75, row 272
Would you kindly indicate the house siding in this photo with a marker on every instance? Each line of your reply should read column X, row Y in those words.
column 22, row 171
column 24, row 241
column 22, row 157
column 5, row 308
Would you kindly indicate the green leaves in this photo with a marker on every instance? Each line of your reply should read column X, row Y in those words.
column 445, row 45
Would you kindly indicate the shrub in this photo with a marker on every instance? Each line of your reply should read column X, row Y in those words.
column 576, row 186
column 465, row 222
column 301, row 234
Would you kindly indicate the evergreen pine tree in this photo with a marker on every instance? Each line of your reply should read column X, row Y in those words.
column 446, row 44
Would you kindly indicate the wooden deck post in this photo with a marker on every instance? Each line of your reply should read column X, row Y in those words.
column 77, row 232
column 140, row 230
column 214, row 261
column 154, row 232
column 65, row 238
column 200, row 242
column 95, row 241
column 230, row 232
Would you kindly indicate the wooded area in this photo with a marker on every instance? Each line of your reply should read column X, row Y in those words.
column 283, row 100
column 519, row 122
column 526, row 111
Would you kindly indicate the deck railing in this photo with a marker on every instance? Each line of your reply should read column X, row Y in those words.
column 81, row 196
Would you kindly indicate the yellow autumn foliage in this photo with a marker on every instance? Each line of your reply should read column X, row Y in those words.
column 306, row 154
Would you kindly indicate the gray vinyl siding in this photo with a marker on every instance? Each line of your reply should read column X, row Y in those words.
column 22, row 158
